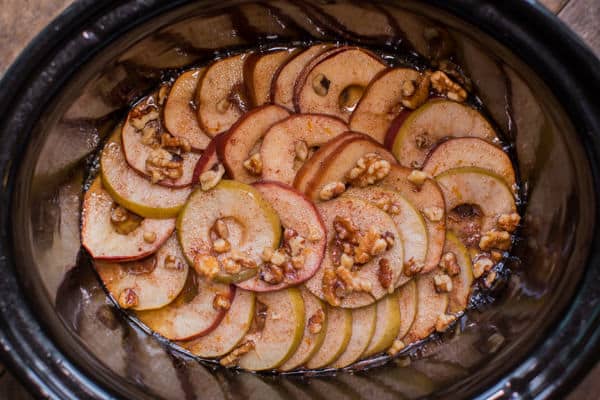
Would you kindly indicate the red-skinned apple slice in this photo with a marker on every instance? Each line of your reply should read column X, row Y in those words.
column 179, row 116
column 192, row 313
column 363, row 328
column 363, row 215
column 461, row 283
column 335, row 85
column 429, row 200
column 154, row 281
column 133, row 191
column 434, row 121
column 101, row 239
column 259, row 70
column 231, row 330
column 209, row 159
column 470, row 152
column 337, row 336
column 297, row 213
column 408, row 303
column 243, row 140
column 392, row 132
column 278, row 149
column 282, row 86
column 381, row 102
column 220, row 95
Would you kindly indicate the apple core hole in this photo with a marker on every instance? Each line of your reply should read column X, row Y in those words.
column 465, row 221
column 349, row 97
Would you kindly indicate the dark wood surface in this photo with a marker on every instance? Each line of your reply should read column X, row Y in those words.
column 21, row 20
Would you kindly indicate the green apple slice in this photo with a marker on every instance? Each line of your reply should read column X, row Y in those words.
column 259, row 70
column 431, row 305
column 231, row 330
column 388, row 324
column 470, row 152
column 434, row 121
column 282, row 333
column 363, row 328
column 337, row 336
column 461, row 283
column 252, row 227
column 104, row 242
column 155, row 281
column 410, row 223
column 311, row 342
column 133, row 191
column 408, row 303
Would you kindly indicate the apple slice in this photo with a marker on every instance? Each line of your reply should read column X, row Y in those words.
column 282, row 86
column 179, row 114
column 388, row 324
column 337, row 336
column 259, row 70
column 278, row 151
column 99, row 234
column 192, row 313
column 392, row 132
column 410, row 223
column 461, row 283
column 220, row 95
column 476, row 187
column 427, row 198
column 470, row 152
column 363, row 215
column 296, row 213
column 434, row 121
column 338, row 164
column 209, row 159
column 408, row 303
column 282, row 331
column 156, row 280
column 133, row 191
column 137, row 152
column 244, row 138
column 363, row 328
column 381, row 102
column 431, row 305
column 315, row 312
column 251, row 228
column 230, row 331
column 335, row 85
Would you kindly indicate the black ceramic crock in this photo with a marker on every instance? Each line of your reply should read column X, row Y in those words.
column 57, row 101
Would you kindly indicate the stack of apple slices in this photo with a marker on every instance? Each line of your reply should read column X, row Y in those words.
column 300, row 209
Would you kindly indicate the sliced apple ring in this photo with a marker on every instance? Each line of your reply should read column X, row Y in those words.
column 434, row 121
column 154, row 281
column 461, row 282
column 133, row 191
column 193, row 313
column 230, row 331
column 282, row 86
column 259, row 70
column 470, row 152
column 429, row 200
column 431, row 305
column 363, row 328
column 409, row 221
column 281, row 334
column 121, row 241
column 286, row 145
column 381, row 102
column 209, row 159
column 179, row 116
column 335, row 85
column 363, row 215
column 251, row 228
column 220, row 95
column 408, row 303
column 242, row 142
column 299, row 215
column 387, row 325
column 315, row 328
column 337, row 336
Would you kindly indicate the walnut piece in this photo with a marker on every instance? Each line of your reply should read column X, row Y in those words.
column 232, row 358
column 123, row 221
column 415, row 93
column 495, row 240
column 449, row 264
column 301, row 150
column 221, row 245
column 443, row 283
column 149, row 237
column 315, row 322
column 351, row 282
column 346, row 261
column 385, row 275
column 143, row 114
column 369, row 169
column 445, row 86
column 231, row 266
column 331, row 190
column 434, row 214
column 413, row 267
column 221, row 302
column 254, row 164
column 396, row 348
column 128, row 298
column 417, row 177
column 173, row 262
column 162, row 164
column 329, row 283
column 444, row 321
column 314, row 234
column 206, row 265
column 209, row 179
column 490, row 278
column 509, row 222
column 168, row 140
column 481, row 265
column 271, row 274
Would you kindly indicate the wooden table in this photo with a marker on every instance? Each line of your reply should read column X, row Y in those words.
column 20, row 20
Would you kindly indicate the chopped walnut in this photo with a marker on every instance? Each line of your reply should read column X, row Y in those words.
column 149, row 237
column 128, row 298
column 442, row 84
column 495, row 240
column 314, row 234
column 162, row 164
column 490, row 278
column 345, row 229
column 509, row 222
column 331, row 190
column 394, row 209
column 443, row 283
column 384, row 203
column 369, row 169
column 370, row 244
column 351, row 282
column 496, row 256
column 232, row 358
column 143, row 114
column 168, row 140
column 422, row 141
column 209, row 179
column 301, row 150
column 413, row 267
column 385, row 275
column 244, row 260
column 173, row 262
column 389, row 238
column 279, row 257
column 271, row 274
column 298, row 261
column 396, row 348
column 444, row 321
column 294, row 243
column 321, row 85
column 221, row 302
column 150, row 134
column 221, row 245
column 409, row 87
column 415, row 93
column 315, row 322
column 254, row 164
column 434, row 214
column 206, row 265
column 329, row 283
column 481, row 265
column 231, row 266
column 220, row 228
column 417, row 177
column 123, row 221
column 346, row 261
column 449, row 264
column 118, row 214
column 266, row 254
